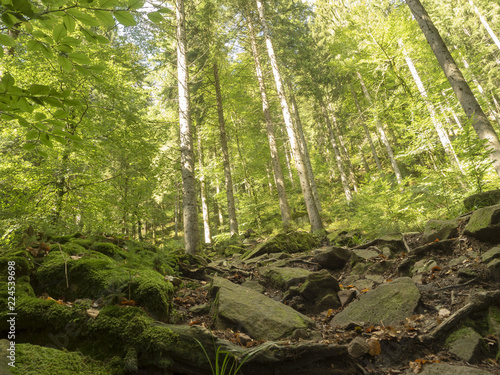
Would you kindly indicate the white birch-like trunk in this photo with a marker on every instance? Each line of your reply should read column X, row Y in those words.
column 469, row 103
column 443, row 136
column 203, row 194
column 381, row 131
column 190, row 208
column 312, row 210
column 485, row 24
column 279, row 180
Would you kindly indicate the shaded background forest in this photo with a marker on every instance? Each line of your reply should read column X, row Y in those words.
column 89, row 127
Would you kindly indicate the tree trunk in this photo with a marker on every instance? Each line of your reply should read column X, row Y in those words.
column 279, row 180
column 203, row 194
column 231, row 210
column 471, row 107
column 338, row 158
column 443, row 136
column 485, row 24
column 345, row 153
column 190, row 209
column 383, row 136
column 303, row 147
column 367, row 132
column 312, row 210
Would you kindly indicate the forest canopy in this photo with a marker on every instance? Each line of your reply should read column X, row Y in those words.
column 205, row 119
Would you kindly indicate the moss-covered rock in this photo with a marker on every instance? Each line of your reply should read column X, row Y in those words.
column 289, row 242
column 466, row 344
column 233, row 249
column 483, row 199
column 84, row 242
column 440, row 230
column 284, row 277
column 156, row 343
column 484, row 224
column 109, row 249
column 23, row 265
column 40, row 360
column 72, row 248
column 149, row 289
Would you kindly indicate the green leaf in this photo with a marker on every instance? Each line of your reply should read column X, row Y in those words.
column 155, row 17
column 45, row 140
column 61, row 140
column 61, row 113
column 125, row 18
column 71, row 41
column 6, row 40
column 89, row 35
column 8, row 20
column 135, row 4
column 59, row 32
column 32, row 134
column 64, row 63
column 29, row 146
column 34, row 45
column 108, row 3
column 1, row 52
column 7, row 81
column 39, row 89
column 79, row 58
column 101, row 39
column 47, row 52
column 24, row 6
column 64, row 48
column 97, row 68
column 59, row 132
column 52, row 101
column 42, row 153
column 105, row 17
column 69, row 22
column 83, row 71
column 40, row 116
column 84, row 18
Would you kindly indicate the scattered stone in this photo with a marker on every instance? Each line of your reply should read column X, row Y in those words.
column 254, row 285
column 390, row 303
column 484, row 224
column 289, row 242
column 200, row 309
column 358, row 347
column 494, row 265
column 440, row 230
column 424, row 265
column 318, row 284
column 466, row 344
column 346, row 296
column 446, row 369
column 443, row 247
column 363, row 284
column 444, row 313
column 284, row 277
column 491, row 254
column 375, row 278
column 483, row 199
column 494, row 322
column 262, row 318
column 333, row 258
column 465, row 273
column 370, row 253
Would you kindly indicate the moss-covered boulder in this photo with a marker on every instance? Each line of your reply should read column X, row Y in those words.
column 233, row 249
column 333, row 257
column 71, row 248
column 284, row 277
column 466, row 344
column 289, row 242
column 109, row 249
column 483, row 199
column 84, row 242
column 149, row 289
column 484, row 224
column 22, row 264
column 390, row 304
column 261, row 317
column 440, row 230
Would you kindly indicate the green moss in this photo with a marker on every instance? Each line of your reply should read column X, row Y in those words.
column 61, row 239
column 39, row 360
column 233, row 249
column 84, row 242
column 149, row 289
column 23, row 265
column 72, row 248
column 155, row 344
column 109, row 249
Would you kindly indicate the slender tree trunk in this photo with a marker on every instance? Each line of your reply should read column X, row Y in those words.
column 338, row 158
column 367, row 132
column 383, row 136
column 279, row 180
column 176, row 209
column 231, row 209
column 190, row 209
column 345, row 153
column 220, row 215
column 303, row 147
column 288, row 158
column 471, row 107
column 485, row 24
column 450, row 109
column 203, row 194
column 443, row 136
column 311, row 207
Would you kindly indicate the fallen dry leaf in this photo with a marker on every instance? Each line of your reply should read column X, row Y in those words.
column 375, row 348
column 92, row 313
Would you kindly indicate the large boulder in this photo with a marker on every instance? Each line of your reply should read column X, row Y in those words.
column 332, row 257
column 484, row 199
column 289, row 242
column 484, row 224
column 466, row 344
column 390, row 303
column 284, row 277
column 440, row 230
column 246, row 310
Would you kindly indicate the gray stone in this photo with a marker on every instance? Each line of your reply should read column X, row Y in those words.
column 446, row 369
column 483, row 199
column 318, row 284
column 371, row 252
column 466, row 344
column 358, row 347
column 254, row 285
column 390, row 303
column 363, row 284
column 375, row 278
column 494, row 265
column 289, row 242
column 262, row 318
column 491, row 254
column 465, row 273
column 440, row 230
column 424, row 265
column 494, row 322
column 284, row 277
column 333, row 258
column 346, row 296
column 484, row 224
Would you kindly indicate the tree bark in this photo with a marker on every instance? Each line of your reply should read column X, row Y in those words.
column 203, row 194
column 383, row 136
column 231, row 209
column 190, row 211
column 279, row 180
column 469, row 103
column 312, row 210
column 338, row 158
column 303, row 147
column 345, row 154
